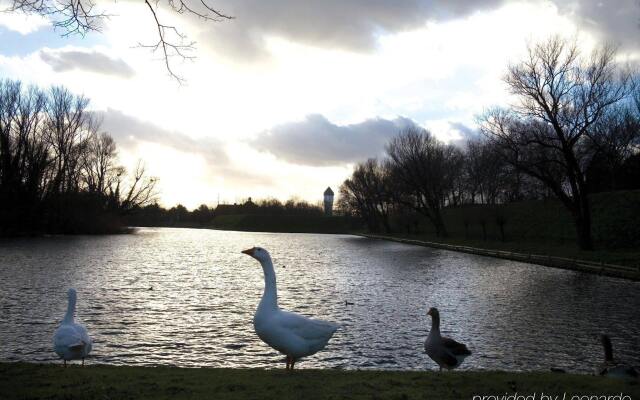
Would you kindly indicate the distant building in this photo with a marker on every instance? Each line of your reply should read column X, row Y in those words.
column 328, row 202
column 248, row 207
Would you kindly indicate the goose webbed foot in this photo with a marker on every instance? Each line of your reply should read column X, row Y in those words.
column 290, row 362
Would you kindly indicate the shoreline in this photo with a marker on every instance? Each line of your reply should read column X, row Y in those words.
column 573, row 264
column 628, row 272
column 52, row 381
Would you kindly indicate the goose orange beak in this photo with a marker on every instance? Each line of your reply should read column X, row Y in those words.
column 248, row 252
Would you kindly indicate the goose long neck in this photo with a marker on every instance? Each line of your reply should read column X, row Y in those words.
column 71, row 309
column 435, row 325
column 608, row 350
column 270, row 295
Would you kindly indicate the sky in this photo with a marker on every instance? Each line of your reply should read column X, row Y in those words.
column 283, row 100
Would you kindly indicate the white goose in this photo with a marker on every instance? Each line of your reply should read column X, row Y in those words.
column 446, row 352
column 71, row 340
column 291, row 334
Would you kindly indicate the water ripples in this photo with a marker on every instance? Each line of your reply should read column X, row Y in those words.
column 186, row 297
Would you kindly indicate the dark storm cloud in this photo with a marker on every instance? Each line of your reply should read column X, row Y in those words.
column 318, row 142
column 92, row 61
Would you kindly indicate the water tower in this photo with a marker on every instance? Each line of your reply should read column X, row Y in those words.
column 328, row 202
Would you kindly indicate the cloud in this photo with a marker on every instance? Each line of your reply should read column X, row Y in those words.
column 129, row 131
column 356, row 25
column 92, row 61
column 617, row 21
column 21, row 22
column 345, row 24
column 464, row 130
column 316, row 141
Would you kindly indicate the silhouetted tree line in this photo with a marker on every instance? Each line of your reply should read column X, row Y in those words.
column 156, row 215
column 575, row 130
column 58, row 172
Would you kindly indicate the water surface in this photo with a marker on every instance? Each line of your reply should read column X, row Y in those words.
column 186, row 297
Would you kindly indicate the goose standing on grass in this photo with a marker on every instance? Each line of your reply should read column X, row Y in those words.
column 291, row 334
column 610, row 367
column 71, row 340
column 446, row 352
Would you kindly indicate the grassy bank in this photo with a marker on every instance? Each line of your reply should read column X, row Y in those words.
column 558, row 257
column 539, row 227
column 38, row 381
column 615, row 225
column 629, row 257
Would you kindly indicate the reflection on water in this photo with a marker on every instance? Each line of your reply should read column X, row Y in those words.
column 186, row 297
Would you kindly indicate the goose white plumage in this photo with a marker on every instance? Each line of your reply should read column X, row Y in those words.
column 446, row 352
column 71, row 340
column 291, row 334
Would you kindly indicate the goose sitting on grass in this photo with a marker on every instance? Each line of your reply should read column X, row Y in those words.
column 446, row 352
column 291, row 334
column 612, row 368
column 71, row 340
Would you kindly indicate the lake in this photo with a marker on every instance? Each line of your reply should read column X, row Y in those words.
column 186, row 297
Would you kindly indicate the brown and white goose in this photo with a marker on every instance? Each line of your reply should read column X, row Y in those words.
column 446, row 352
column 612, row 368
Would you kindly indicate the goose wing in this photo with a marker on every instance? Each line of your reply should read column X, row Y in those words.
column 455, row 348
column 70, row 338
column 305, row 327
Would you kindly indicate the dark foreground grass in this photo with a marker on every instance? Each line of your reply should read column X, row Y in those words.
column 40, row 381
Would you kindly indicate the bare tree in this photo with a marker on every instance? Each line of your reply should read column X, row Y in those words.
column 99, row 164
column 57, row 172
column 138, row 191
column 552, row 132
column 66, row 130
column 367, row 194
column 457, row 189
column 83, row 16
column 485, row 172
column 423, row 171
column 616, row 137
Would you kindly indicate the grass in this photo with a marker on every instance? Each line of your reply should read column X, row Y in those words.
column 629, row 257
column 47, row 381
column 543, row 227
column 615, row 221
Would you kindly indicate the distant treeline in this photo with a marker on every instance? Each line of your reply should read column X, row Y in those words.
column 204, row 216
column 574, row 131
column 59, row 172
